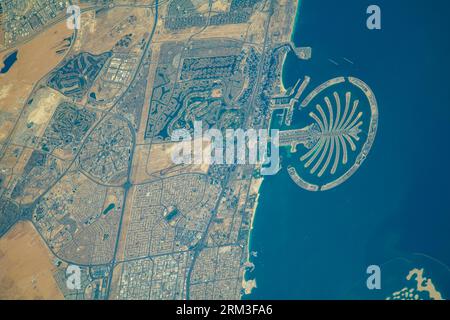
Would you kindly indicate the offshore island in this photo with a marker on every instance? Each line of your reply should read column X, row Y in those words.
column 86, row 177
column 85, row 142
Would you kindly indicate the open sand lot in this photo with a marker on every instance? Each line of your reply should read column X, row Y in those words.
column 26, row 266
column 34, row 60
column 100, row 32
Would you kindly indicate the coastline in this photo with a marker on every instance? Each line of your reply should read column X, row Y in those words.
column 292, row 38
column 250, row 284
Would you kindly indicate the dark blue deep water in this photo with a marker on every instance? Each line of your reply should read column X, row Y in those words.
column 8, row 62
column 318, row 245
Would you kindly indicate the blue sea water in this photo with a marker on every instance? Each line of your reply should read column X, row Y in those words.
column 318, row 245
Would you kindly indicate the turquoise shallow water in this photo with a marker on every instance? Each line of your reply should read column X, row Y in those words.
column 318, row 245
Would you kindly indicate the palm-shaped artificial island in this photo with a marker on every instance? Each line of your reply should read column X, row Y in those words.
column 334, row 147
